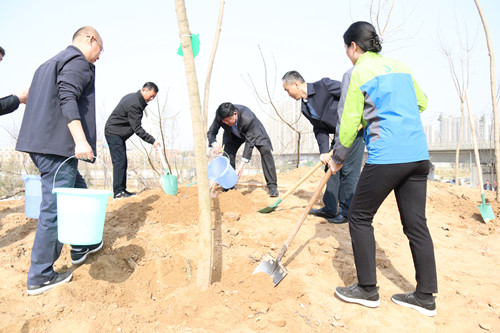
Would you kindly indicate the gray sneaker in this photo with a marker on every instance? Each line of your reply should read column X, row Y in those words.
column 37, row 289
column 411, row 300
column 355, row 294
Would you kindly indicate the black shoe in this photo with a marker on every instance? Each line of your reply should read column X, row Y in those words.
column 273, row 192
column 339, row 219
column 227, row 189
column 122, row 194
column 410, row 300
column 79, row 253
column 356, row 294
column 130, row 194
column 322, row 212
column 59, row 278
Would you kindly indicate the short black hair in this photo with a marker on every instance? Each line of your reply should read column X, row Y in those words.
column 225, row 110
column 363, row 34
column 2, row 51
column 292, row 76
column 150, row 86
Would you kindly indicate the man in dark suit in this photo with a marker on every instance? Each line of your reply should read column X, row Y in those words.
column 59, row 121
column 242, row 126
column 319, row 105
column 123, row 122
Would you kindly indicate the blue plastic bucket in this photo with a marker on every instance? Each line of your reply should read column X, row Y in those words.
column 32, row 195
column 80, row 215
column 221, row 171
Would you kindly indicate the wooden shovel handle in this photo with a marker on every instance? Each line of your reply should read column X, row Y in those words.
column 304, row 214
column 301, row 180
column 162, row 159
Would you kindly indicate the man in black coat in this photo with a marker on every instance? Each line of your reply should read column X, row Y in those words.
column 319, row 102
column 124, row 121
column 59, row 121
column 242, row 126
column 10, row 103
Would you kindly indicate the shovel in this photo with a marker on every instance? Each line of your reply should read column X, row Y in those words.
column 168, row 181
column 485, row 210
column 271, row 208
column 273, row 267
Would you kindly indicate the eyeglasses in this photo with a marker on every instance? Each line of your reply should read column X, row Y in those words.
column 102, row 48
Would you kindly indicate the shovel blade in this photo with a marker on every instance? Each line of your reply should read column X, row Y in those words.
column 486, row 211
column 273, row 268
column 169, row 184
column 267, row 210
column 270, row 209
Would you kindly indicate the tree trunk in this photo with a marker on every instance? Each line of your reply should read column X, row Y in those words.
column 457, row 156
column 474, row 141
column 493, row 94
column 203, row 278
column 210, row 65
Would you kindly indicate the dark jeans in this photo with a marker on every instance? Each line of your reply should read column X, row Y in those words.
column 266, row 157
column 409, row 182
column 340, row 187
column 118, row 152
column 46, row 247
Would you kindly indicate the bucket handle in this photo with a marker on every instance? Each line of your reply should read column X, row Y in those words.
column 59, row 167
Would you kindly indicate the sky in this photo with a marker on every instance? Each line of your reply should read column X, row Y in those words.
column 141, row 41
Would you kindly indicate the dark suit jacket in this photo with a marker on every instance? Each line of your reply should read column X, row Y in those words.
column 324, row 96
column 250, row 129
column 62, row 90
column 126, row 118
column 8, row 104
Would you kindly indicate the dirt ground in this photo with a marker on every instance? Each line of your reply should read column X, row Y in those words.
column 144, row 278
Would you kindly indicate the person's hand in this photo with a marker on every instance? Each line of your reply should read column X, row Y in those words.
column 23, row 96
column 335, row 167
column 239, row 171
column 156, row 144
column 83, row 151
column 325, row 158
column 216, row 148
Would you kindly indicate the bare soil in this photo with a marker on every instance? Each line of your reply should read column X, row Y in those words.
column 144, row 278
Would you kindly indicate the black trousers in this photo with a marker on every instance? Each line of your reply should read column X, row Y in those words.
column 409, row 182
column 266, row 157
column 118, row 152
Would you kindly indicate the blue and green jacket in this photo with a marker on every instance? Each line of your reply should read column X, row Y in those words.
column 381, row 94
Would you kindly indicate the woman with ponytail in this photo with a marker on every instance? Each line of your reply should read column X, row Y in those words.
column 382, row 95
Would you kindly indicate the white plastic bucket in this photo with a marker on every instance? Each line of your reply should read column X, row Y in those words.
column 80, row 215
column 32, row 195
column 221, row 171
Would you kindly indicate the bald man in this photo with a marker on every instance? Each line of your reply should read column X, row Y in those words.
column 59, row 122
